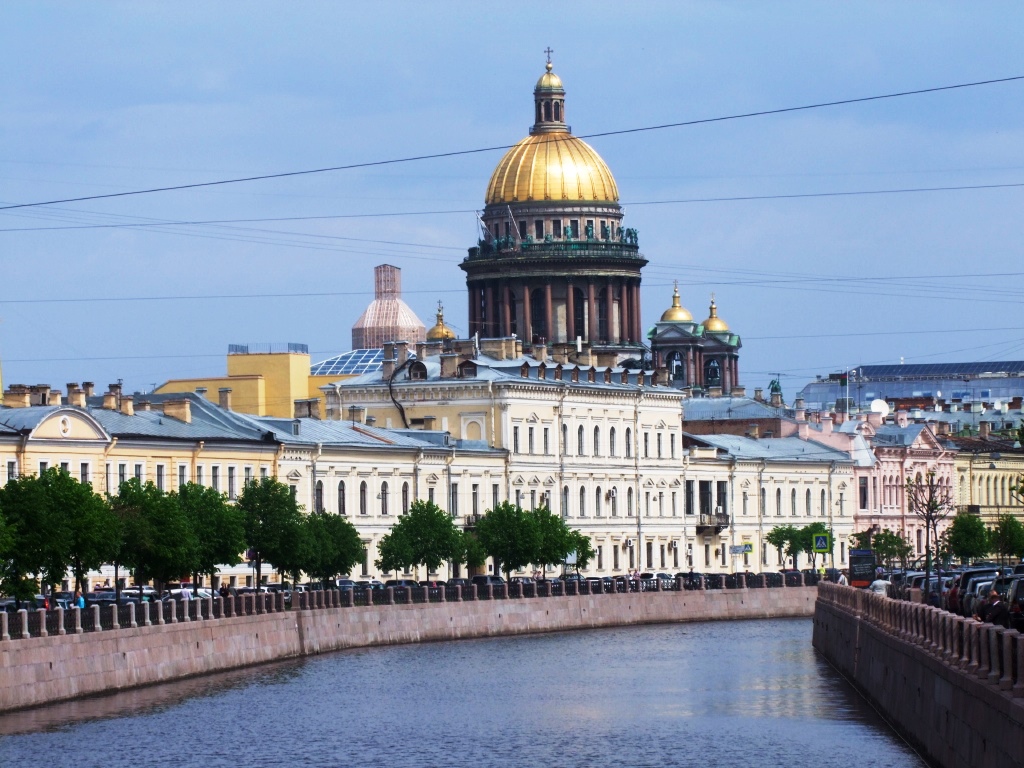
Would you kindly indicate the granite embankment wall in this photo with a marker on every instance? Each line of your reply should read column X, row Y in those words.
column 952, row 686
column 42, row 670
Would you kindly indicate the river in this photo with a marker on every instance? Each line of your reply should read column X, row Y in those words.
column 743, row 693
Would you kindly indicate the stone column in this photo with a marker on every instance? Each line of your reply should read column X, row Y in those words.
column 506, row 310
column 489, row 314
column 60, row 621
column 1018, row 685
column 549, row 315
column 1009, row 638
column 41, row 614
column 983, row 657
column 591, row 334
column 994, row 670
column 527, row 315
column 97, row 626
column 624, row 334
column 131, row 616
column 637, row 320
column 113, row 617
column 23, row 616
column 609, row 312
column 5, row 633
column 570, row 313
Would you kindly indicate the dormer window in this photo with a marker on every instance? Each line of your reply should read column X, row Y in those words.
column 417, row 371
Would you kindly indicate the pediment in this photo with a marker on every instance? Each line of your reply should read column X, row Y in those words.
column 69, row 424
column 549, row 481
column 294, row 475
column 662, row 484
column 534, row 480
column 533, row 418
column 432, row 478
column 519, row 481
column 648, row 483
column 745, row 484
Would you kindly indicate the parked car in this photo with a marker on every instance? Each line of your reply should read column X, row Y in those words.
column 524, row 580
column 484, row 580
column 459, row 582
column 400, row 583
column 977, row 589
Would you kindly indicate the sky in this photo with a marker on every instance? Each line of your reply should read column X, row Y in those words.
column 101, row 98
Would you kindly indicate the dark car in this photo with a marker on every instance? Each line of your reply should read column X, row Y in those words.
column 484, row 580
column 400, row 583
column 460, row 582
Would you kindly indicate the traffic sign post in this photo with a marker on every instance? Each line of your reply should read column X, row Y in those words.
column 822, row 542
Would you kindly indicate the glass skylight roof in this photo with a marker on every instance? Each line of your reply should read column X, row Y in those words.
column 353, row 363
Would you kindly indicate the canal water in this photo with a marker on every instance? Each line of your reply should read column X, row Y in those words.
column 743, row 693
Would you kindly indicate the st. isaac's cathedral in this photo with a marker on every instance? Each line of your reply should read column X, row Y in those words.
column 556, row 267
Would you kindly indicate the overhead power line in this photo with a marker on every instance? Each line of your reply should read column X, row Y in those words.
column 480, row 150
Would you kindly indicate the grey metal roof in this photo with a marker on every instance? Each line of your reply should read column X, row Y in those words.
column 313, row 431
column 25, row 419
column 356, row 362
column 773, row 448
column 892, row 434
column 728, row 408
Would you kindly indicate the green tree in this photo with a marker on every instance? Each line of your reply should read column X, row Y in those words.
column 271, row 517
column 471, row 551
column 583, row 548
column 25, row 507
column 967, row 537
column 427, row 536
column 556, row 538
column 890, row 547
column 219, row 528
column 334, row 546
column 510, row 536
column 807, row 534
column 157, row 541
column 860, row 540
column 931, row 501
column 787, row 538
column 1006, row 539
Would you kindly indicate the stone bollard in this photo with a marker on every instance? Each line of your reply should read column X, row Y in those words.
column 994, row 667
column 458, row 593
column 680, row 583
column 442, row 594
column 369, row 597
column 490, row 592
column 41, row 613
column 350, row 597
column 984, row 663
column 574, row 588
column 60, row 621
column 504, row 591
column 78, row 621
column 934, row 628
column 1018, row 685
column 518, row 591
column 741, row 580
column 474, row 592
column 184, row 611
column 5, row 634
column 131, row 616
column 23, row 616
column 391, row 595
column 97, row 625
column 209, row 607
column 114, row 623
column 172, row 605
column 408, row 595
column 1009, row 638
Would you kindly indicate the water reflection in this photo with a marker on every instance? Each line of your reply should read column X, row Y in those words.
column 717, row 694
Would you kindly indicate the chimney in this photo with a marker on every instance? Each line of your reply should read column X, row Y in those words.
column 145, row 405
column 901, row 418
column 738, row 392
column 540, row 352
column 449, row 365
column 803, row 430
column 307, row 408
column 401, row 352
column 357, row 414
column 116, row 389
column 388, row 364
column 429, row 423
column 714, row 391
column 176, row 409
column 109, row 401
column 18, row 396
column 942, row 428
column 421, row 351
column 89, row 388
column 759, row 394
column 128, row 406
column 40, row 394
column 776, row 399
column 984, row 429
column 826, row 425
column 201, row 391
column 754, row 431
column 799, row 413
column 76, row 396
column 839, row 417
column 224, row 398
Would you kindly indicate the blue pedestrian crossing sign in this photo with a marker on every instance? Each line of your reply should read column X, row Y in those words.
column 822, row 543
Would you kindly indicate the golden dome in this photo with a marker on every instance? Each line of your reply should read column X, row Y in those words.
column 677, row 313
column 714, row 323
column 551, row 166
column 549, row 81
column 440, row 332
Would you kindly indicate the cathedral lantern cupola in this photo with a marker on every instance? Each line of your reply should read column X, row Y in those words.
column 553, row 263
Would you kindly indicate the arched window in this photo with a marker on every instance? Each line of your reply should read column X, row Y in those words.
column 764, row 502
column 597, row 502
column 792, row 502
column 565, row 501
column 558, row 111
column 547, row 111
column 808, row 502
column 629, row 443
column 565, row 439
column 405, row 498
column 362, row 498
column 583, row 502
column 611, row 441
column 615, row 502
column 579, row 441
column 597, row 441
column 824, row 508
column 383, row 498
column 778, row 502
column 629, row 502
column 319, row 495
column 341, row 497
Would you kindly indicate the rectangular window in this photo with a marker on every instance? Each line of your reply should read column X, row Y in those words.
column 264, row 473
column 590, row 228
column 556, row 228
column 688, row 497
column 523, row 232
column 672, row 444
column 574, row 228
column 615, row 558
column 138, row 472
column 529, row 439
column 65, row 467
column 107, row 478
column 83, row 473
column 744, row 502
column 43, row 466
column 476, row 499
column 705, row 497
column 494, row 495
column 664, row 563
column 538, row 229
column 647, row 505
column 182, row 475
column 160, row 476
column 430, row 494
column 122, row 474
column 247, row 477
column 600, row 557
column 455, row 500
column 231, row 483
column 215, row 478
column 863, row 488
column 722, row 499
column 12, row 470
column 364, row 566
column 659, row 445
column 515, row 439
column 842, row 551
column 199, row 475
column 547, row 444
column 675, row 506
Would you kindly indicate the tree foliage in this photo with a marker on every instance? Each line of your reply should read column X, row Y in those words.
column 557, row 540
column 967, row 537
column 1006, row 539
column 426, row 536
column 890, row 547
column 861, row 540
column 788, row 538
column 583, row 548
column 931, row 501
column 509, row 535
column 272, row 521
column 333, row 546
column 219, row 527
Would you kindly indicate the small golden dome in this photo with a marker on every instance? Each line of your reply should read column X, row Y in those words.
column 440, row 332
column 552, row 166
column 714, row 323
column 677, row 313
column 549, row 81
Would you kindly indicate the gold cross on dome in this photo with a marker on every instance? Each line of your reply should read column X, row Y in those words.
column 549, row 51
